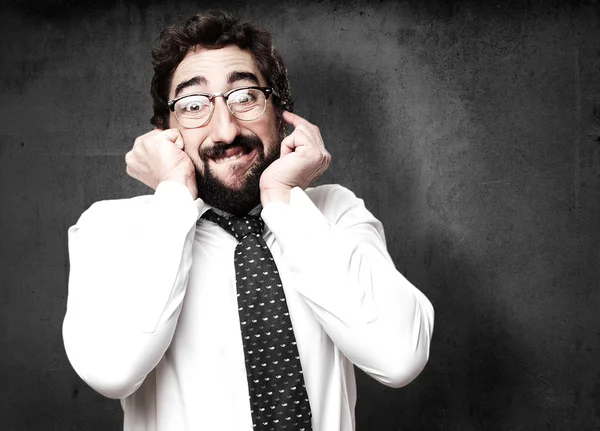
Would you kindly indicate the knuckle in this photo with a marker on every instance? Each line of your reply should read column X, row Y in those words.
column 129, row 158
column 305, row 127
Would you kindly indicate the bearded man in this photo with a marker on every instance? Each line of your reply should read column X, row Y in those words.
column 236, row 296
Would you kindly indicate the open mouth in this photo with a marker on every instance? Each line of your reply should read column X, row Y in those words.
column 229, row 155
column 235, row 156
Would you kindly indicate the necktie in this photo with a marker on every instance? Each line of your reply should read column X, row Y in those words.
column 278, row 398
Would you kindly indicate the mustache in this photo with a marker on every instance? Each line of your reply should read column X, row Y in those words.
column 246, row 143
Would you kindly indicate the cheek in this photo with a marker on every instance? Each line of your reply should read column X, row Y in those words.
column 267, row 130
column 273, row 142
column 192, row 139
column 192, row 152
column 173, row 124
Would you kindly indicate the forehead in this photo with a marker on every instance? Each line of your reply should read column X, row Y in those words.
column 214, row 65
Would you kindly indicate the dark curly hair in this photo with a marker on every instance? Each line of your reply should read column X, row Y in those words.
column 214, row 30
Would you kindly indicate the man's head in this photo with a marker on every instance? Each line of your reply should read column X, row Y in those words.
column 214, row 54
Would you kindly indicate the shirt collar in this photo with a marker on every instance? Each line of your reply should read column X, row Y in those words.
column 203, row 207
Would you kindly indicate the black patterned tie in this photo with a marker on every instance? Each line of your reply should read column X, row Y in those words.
column 278, row 398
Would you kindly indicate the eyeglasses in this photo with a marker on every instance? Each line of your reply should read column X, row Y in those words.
column 245, row 103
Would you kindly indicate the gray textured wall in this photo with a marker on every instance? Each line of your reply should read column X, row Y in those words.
column 470, row 128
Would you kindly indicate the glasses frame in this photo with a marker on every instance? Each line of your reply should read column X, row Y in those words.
column 267, row 91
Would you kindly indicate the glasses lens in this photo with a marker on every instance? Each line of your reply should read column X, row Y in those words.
column 192, row 111
column 247, row 103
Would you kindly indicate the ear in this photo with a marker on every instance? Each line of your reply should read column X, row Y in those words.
column 160, row 122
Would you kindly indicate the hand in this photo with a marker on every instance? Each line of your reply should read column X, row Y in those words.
column 158, row 156
column 303, row 159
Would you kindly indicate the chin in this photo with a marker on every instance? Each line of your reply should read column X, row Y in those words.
column 235, row 190
column 233, row 183
column 237, row 196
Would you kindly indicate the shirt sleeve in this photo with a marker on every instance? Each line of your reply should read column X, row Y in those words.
column 129, row 266
column 336, row 252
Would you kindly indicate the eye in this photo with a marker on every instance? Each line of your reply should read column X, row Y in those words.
column 243, row 97
column 193, row 105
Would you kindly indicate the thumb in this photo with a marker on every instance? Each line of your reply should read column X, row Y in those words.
column 288, row 145
column 174, row 136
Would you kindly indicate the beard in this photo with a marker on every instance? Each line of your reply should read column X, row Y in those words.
column 238, row 200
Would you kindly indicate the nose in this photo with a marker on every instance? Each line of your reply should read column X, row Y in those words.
column 224, row 127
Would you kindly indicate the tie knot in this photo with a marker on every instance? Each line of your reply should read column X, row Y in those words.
column 239, row 227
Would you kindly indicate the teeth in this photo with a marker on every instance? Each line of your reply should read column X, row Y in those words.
column 228, row 159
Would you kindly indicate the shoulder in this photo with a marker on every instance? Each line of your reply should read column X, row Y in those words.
column 328, row 194
column 168, row 197
column 121, row 204
column 340, row 205
column 114, row 208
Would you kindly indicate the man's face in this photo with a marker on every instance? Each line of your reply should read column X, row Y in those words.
column 229, row 154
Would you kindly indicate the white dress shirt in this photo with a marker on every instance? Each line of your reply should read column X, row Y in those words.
column 152, row 313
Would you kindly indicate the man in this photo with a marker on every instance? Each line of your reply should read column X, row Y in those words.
column 168, row 310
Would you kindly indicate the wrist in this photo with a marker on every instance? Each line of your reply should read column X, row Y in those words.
column 176, row 178
column 275, row 194
column 183, row 179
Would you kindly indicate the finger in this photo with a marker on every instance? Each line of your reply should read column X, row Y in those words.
column 312, row 131
column 128, row 158
column 151, row 133
column 129, row 165
column 293, row 119
column 140, row 139
column 172, row 135
column 298, row 138
column 287, row 146
column 299, row 122
column 179, row 142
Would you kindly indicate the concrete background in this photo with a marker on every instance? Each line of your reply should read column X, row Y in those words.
column 470, row 128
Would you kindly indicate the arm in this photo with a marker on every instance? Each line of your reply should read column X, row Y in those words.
column 339, row 259
column 130, row 261
column 340, row 265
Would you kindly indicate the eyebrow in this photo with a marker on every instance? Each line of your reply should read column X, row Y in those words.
column 242, row 76
column 231, row 78
column 196, row 80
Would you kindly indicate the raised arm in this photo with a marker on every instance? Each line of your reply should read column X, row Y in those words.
column 130, row 261
column 336, row 251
